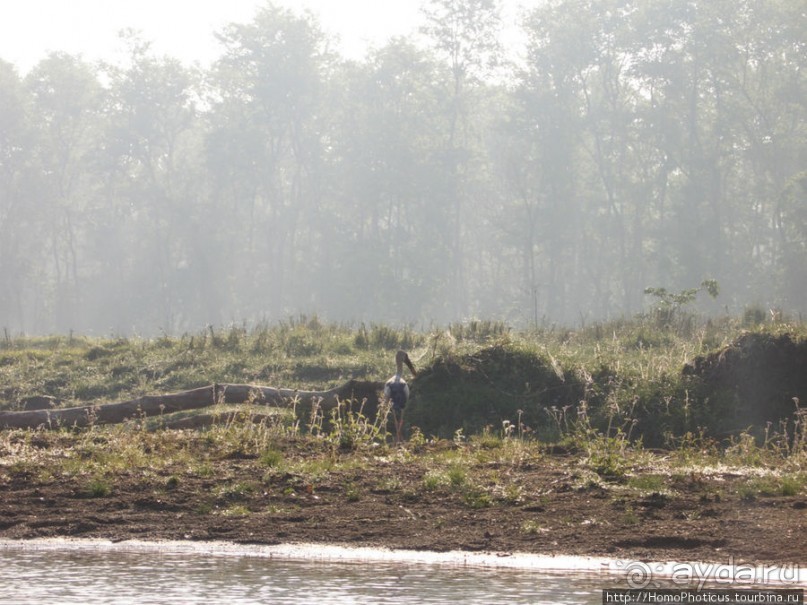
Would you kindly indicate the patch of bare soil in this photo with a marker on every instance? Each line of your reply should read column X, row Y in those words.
column 383, row 502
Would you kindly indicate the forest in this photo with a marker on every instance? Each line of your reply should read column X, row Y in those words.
column 645, row 144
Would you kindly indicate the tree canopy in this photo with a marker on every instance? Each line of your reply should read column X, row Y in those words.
column 651, row 144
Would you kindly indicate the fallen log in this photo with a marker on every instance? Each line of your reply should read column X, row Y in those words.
column 359, row 391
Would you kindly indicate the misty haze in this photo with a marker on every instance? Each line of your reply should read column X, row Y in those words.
column 638, row 144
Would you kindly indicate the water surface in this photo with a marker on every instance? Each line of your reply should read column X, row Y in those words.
column 64, row 571
column 81, row 575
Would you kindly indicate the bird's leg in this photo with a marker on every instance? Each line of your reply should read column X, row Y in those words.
column 400, row 427
column 398, row 420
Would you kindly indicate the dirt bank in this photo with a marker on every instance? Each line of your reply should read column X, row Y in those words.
column 511, row 501
column 757, row 381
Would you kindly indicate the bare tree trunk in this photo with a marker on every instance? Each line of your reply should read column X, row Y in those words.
column 360, row 392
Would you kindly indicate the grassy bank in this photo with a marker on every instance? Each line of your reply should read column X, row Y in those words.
column 655, row 380
column 264, row 483
column 551, row 441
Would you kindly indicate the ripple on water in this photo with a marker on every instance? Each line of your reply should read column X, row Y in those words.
column 78, row 571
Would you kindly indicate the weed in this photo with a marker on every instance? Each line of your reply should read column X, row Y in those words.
column 692, row 448
column 351, row 429
column 744, row 451
column 205, row 508
column 236, row 491
column 203, row 469
column 513, row 494
column 237, row 510
column 433, row 480
column 669, row 304
column 457, row 476
column 313, row 470
column 647, row 483
column 391, row 484
column 352, row 492
column 769, row 486
column 629, row 516
column 532, row 528
column 99, row 487
column 477, row 498
column 417, row 440
column 608, row 456
column 791, row 486
column 271, row 458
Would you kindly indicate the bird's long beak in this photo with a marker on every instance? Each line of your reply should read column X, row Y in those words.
column 409, row 365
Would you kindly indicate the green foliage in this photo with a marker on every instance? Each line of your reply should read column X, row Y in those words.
column 771, row 486
column 352, row 492
column 667, row 309
column 235, row 491
column 236, row 510
column 433, row 480
column 456, row 475
column 647, row 483
column 532, row 527
column 477, row 498
column 271, row 458
column 348, row 428
column 99, row 487
column 609, row 453
column 792, row 486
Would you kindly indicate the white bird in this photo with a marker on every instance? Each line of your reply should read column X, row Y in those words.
column 396, row 391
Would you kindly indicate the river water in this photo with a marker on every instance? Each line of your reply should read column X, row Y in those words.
column 68, row 573
column 35, row 576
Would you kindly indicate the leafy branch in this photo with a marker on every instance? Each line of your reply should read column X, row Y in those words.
column 668, row 304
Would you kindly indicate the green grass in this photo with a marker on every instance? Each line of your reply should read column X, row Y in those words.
column 476, row 497
column 771, row 486
column 300, row 353
column 792, row 485
column 236, row 510
column 649, row 483
column 595, row 390
column 352, row 492
column 532, row 528
column 457, row 475
column 235, row 492
column 272, row 458
column 433, row 480
column 99, row 487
